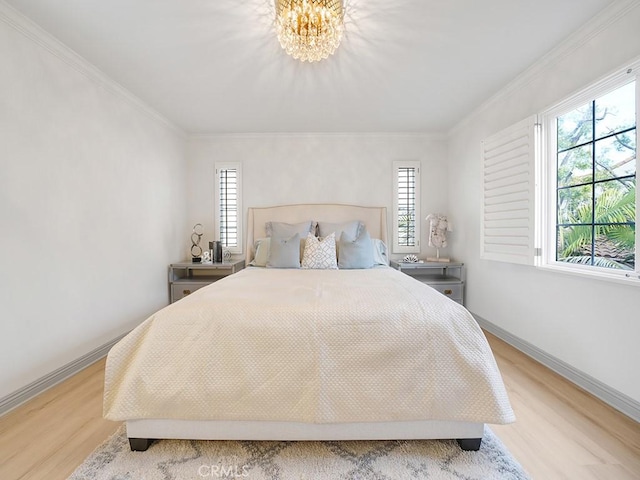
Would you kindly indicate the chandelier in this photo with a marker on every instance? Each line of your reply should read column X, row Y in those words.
column 309, row 30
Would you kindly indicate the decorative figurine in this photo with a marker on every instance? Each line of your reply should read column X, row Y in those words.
column 439, row 225
column 196, row 249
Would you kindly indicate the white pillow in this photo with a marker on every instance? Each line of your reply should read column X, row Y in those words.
column 380, row 256
column 320, row 253
column 261, row 256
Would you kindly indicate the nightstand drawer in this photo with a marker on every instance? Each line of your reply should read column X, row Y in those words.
column 453, row 291
column 446, row 277
column 182, row 289
column 187, row 277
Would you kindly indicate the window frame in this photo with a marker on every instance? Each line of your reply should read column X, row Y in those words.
column 237, row 166
column 549, row 184
column 397, row 165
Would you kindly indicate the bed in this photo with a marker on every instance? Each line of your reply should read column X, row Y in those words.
column 307, row 354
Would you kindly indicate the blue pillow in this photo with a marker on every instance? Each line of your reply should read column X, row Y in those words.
column 284, row 252
column 355, row 252
column 280, row 229
column 353, row 228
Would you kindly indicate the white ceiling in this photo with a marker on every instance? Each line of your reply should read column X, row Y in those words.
column 403, row 66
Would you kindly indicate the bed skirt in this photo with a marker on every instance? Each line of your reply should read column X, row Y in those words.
column 297, row 431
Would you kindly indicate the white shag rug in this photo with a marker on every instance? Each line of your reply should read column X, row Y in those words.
column 251, row 460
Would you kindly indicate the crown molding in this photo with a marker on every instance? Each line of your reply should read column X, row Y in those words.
column 594, row 27
column 41, row 37
column 433, row 136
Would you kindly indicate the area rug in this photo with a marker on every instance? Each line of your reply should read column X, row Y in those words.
column 379, row 460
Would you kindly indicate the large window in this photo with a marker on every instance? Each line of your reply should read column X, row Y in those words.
column 596, row 181
column 406, row 208
column 560, row 188
column 591, row 186
column 228, row 198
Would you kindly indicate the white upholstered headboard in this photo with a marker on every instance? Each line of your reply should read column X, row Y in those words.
column 375, row 218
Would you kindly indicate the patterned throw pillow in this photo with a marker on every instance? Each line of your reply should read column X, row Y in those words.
column 320, row 253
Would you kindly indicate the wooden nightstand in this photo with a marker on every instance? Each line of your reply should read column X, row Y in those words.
column 187, row 277
column 447, row 278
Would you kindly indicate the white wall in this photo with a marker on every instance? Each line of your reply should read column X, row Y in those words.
column 92, row 208
column 314, row 168
column 590, row 324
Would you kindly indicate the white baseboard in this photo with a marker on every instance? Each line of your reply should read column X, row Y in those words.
column 27, row 392
column 611, row 396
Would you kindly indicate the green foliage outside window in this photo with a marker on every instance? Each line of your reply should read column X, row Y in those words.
column 596, row 182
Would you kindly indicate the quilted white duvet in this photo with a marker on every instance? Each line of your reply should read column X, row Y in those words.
column 320, row 346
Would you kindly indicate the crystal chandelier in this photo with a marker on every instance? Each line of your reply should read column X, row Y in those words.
column 309, row 30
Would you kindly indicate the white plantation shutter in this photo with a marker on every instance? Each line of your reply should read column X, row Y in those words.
column 509, row 194
column 228, row 195
column 406, row 207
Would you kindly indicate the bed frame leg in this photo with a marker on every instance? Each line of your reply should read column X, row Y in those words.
column 140, row 444
column 469, row 444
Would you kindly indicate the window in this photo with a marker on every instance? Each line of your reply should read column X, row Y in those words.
column 228, row 198
column 406, row 208
column 560, row 189
column 591, row 186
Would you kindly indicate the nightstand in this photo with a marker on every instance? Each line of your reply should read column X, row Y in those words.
column 447, row 278
column 187, row 277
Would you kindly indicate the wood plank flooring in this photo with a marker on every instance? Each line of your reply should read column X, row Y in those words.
column 561, row 432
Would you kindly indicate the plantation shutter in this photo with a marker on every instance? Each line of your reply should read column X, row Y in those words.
column 406, row 207
column 508, row 194
column 228, row 211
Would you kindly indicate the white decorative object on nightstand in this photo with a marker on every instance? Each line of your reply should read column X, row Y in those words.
column 447, row 278
column 439, row 225
column 187, row 277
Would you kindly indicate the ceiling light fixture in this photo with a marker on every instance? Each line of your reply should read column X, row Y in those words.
column 309, row 30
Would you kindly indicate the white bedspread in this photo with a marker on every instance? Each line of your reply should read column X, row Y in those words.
column 321, row 346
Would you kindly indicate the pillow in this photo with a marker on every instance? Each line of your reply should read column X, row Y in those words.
column 380, row 256
column 355, row 252
column 261, row 247
column 352, row 228
column 286, row 230
column 284, row 252
column 320, row 253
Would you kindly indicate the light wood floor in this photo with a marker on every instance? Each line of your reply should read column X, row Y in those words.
column 561, row 432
